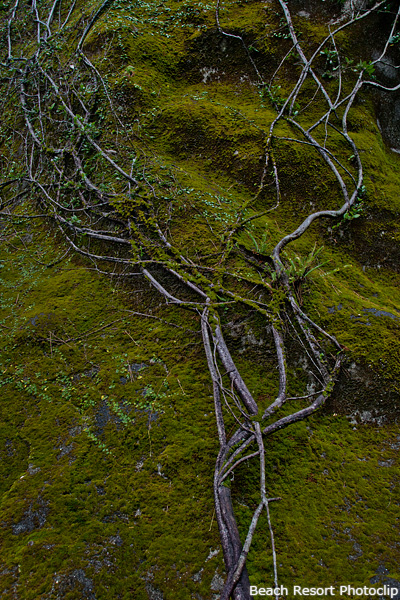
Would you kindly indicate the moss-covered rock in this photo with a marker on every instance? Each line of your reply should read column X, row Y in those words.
column 107, row 436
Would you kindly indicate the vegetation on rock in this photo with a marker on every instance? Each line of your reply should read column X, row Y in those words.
column 224, row 171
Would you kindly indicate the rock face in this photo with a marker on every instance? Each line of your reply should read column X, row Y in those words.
column 33, row 518
column 388, row 104
column 75, row 583
column 388, row 113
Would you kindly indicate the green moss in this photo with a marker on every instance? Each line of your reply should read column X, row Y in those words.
column 107, row 470
column 330, row 532
column 127, row 510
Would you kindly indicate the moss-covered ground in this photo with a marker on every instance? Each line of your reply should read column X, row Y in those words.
column 107, row 434
column 108, row 441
